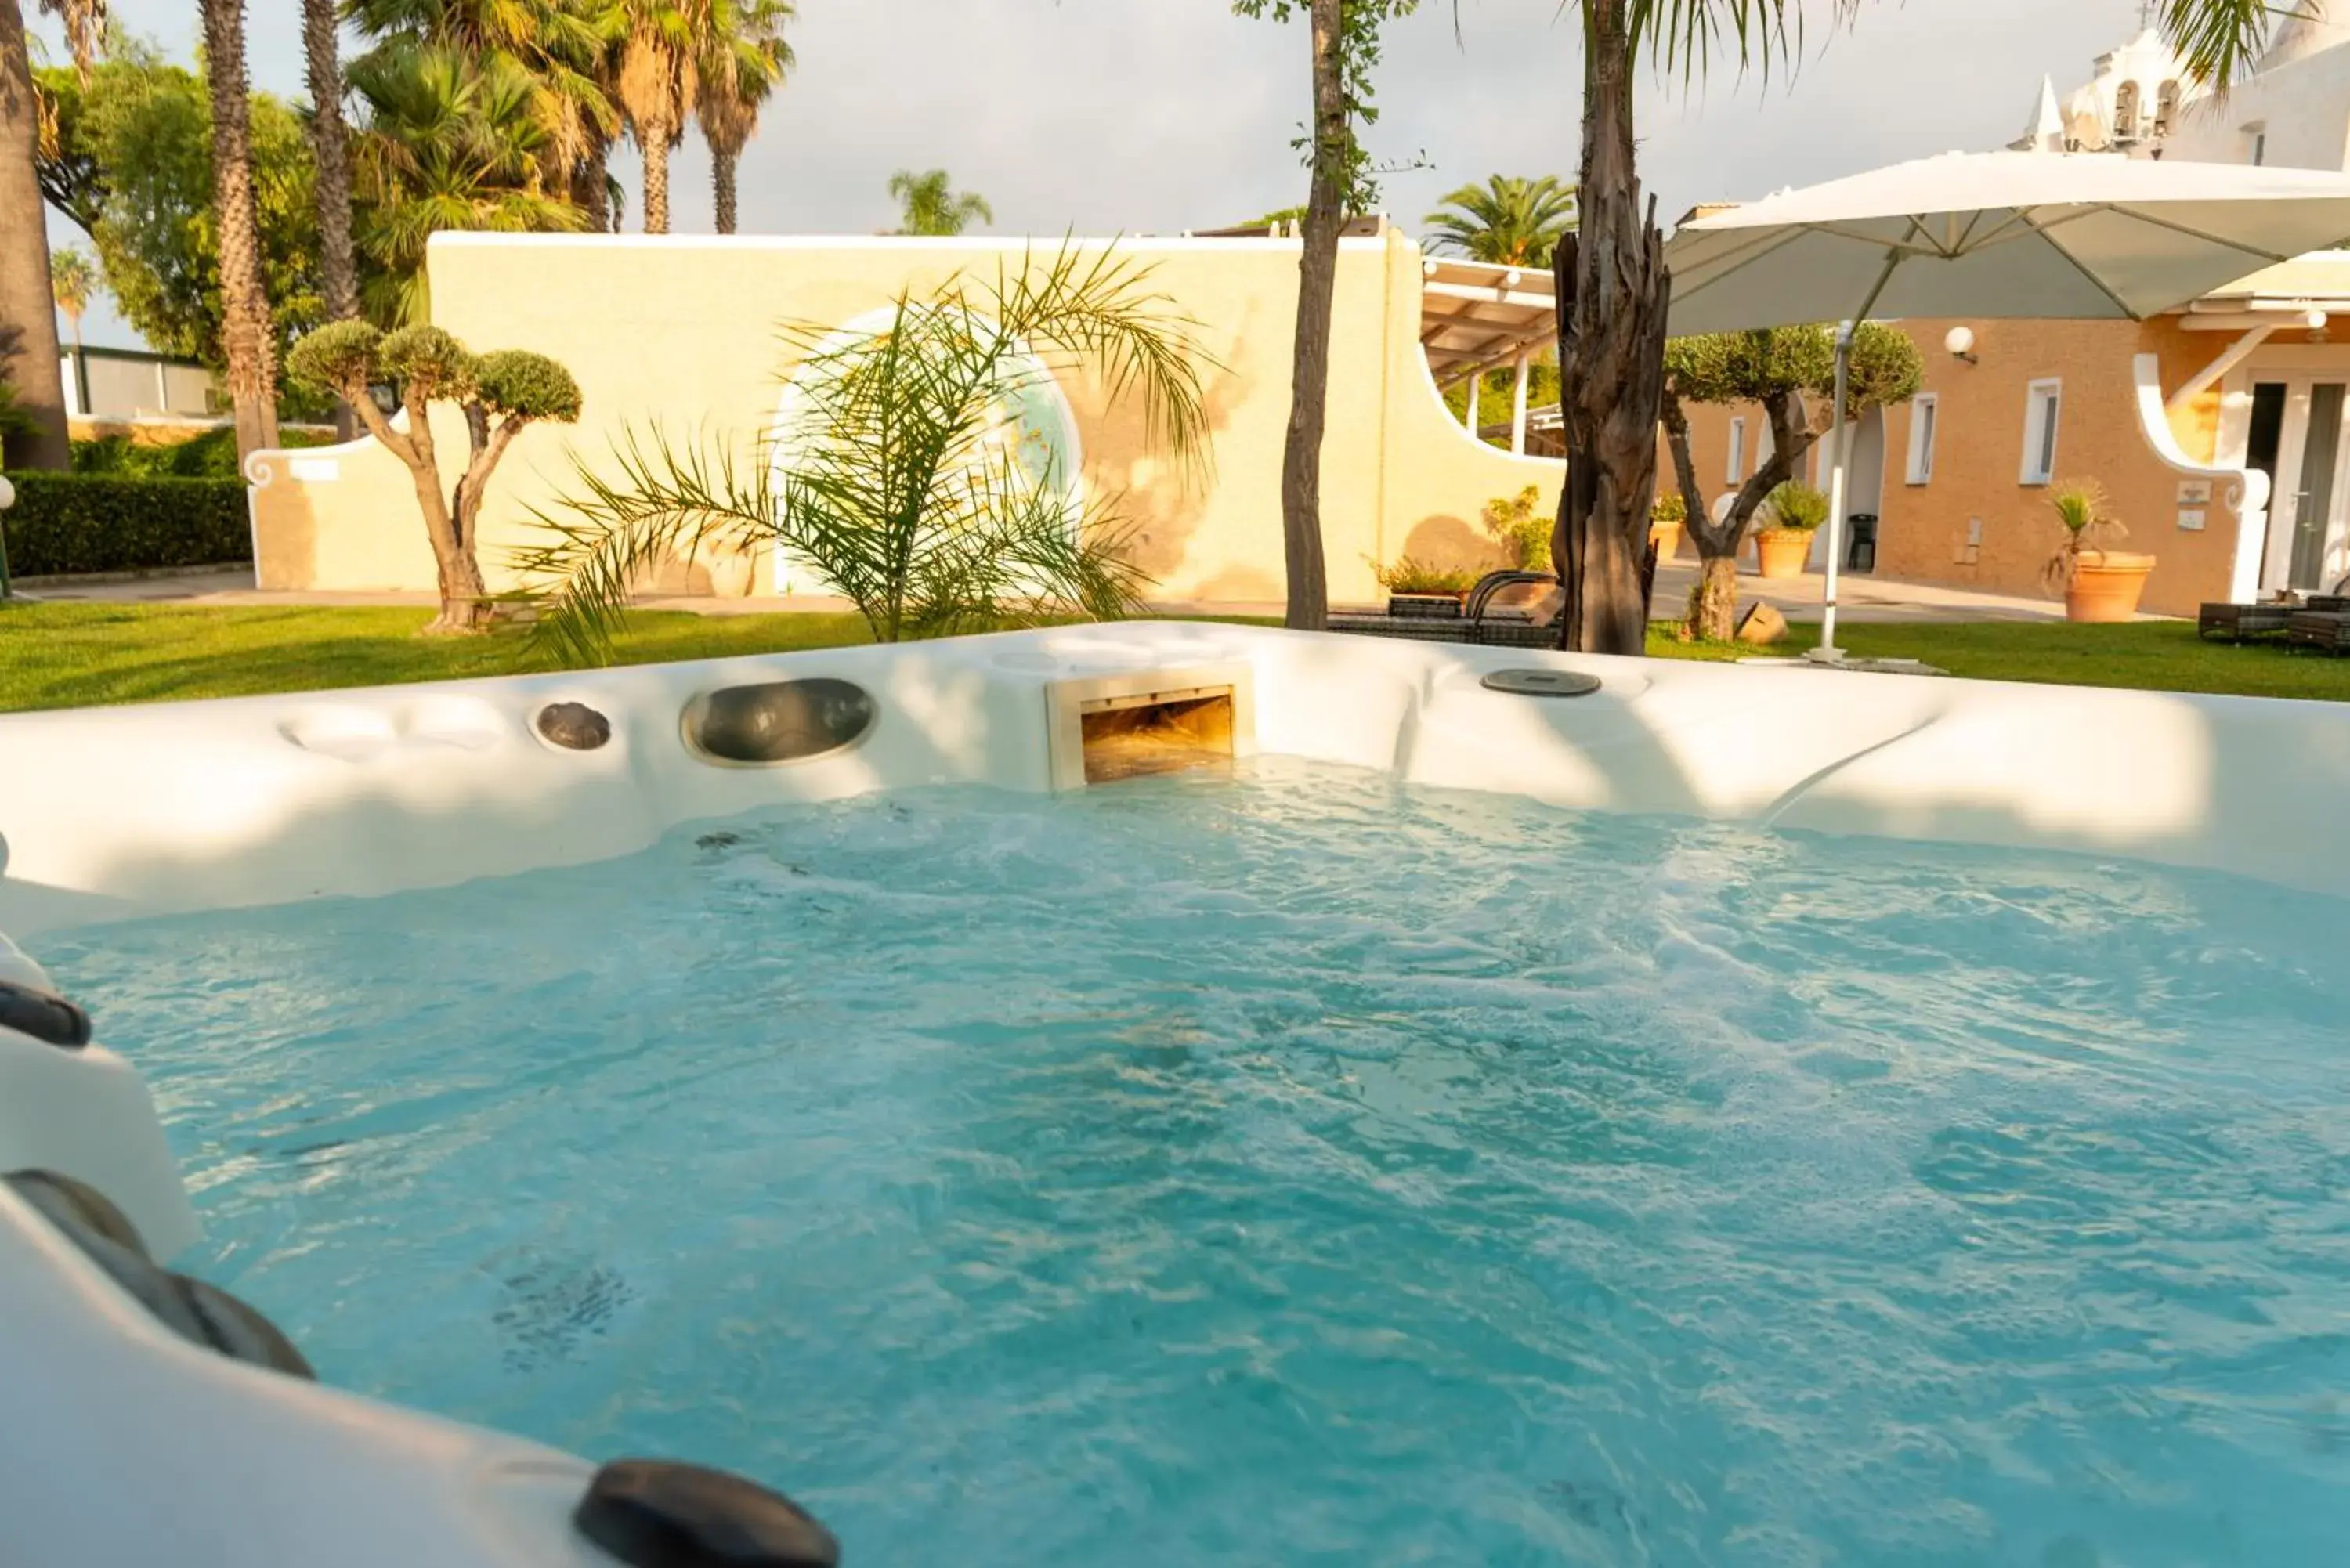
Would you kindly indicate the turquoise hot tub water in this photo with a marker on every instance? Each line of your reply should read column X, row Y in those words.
column 1303, row 1168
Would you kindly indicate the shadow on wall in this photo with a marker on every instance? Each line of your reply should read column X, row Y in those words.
column 1153, row 492
column 286, row 552
column 1452, row 543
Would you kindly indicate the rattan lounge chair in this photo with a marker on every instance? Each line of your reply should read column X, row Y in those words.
column 1475, row 620
column 2240, row 623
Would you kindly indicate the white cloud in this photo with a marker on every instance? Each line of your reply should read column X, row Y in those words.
column 1161, row 115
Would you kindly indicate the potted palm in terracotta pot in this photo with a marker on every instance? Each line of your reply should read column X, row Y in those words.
column 1791, row 515
column 1667, row 515
column 2098, row 583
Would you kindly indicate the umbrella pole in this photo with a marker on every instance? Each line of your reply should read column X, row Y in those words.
column 1835, row 488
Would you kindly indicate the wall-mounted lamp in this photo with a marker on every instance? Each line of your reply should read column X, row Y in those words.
column 1961, row 342
column 2315, row 320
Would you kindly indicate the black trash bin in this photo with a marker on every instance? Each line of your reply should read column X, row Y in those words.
column 1860, row 542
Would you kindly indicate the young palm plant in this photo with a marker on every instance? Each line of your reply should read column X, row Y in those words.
column 908, row 481
column 2080, row 507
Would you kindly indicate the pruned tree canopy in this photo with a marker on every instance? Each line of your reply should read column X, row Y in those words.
column 524, row 385
column 1752, row 367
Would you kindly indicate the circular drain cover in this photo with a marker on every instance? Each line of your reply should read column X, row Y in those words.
column 1542, row 683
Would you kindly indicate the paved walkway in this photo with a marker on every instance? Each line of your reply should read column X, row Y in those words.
column 1863, row 598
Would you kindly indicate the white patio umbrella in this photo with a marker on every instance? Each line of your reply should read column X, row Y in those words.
column 2083, row 236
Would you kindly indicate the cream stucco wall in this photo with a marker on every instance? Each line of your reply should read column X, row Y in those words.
column 679, row 333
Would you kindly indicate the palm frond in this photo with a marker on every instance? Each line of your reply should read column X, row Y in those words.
column 670, row 500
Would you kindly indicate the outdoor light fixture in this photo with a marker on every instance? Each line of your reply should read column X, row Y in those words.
column 1961, row 342
column 2314, row 319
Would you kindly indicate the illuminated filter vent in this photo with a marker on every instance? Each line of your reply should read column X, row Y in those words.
column 1157, row 722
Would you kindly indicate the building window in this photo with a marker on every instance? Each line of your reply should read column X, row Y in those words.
column 2165, row 108
column 2040, row 402
column 2126, row 112
column 1921, row 438
column 1737, row 451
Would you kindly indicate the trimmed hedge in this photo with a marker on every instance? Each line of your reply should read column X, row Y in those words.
column 65, row 523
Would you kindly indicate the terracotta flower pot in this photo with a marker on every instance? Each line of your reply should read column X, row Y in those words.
column 2105, row 586
column 1667, row 537
column 1780, row 552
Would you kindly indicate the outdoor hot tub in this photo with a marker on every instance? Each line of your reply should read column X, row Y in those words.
column 1170, row 1094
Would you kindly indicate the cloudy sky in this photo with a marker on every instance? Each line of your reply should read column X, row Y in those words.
column 1111, row 116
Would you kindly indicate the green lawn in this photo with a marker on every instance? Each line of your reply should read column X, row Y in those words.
column 2155, row 654
column 80, row 654
column 76, row 655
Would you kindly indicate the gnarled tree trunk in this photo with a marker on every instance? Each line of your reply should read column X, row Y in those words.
column 1318, row 271
column 26, row 300
column 1612, row 294
column 248, row 339
column 1713, row 613
column 1713, row 608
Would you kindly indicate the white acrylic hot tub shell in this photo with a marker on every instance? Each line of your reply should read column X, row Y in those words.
column 113, row 814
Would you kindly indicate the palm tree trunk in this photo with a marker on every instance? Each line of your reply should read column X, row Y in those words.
column 330, row 140
column 1318, row 270
column 588, row 194
column 26, row 296
column 654, row 141
column 721, row 181
column 248, row 337
column 1612, row 290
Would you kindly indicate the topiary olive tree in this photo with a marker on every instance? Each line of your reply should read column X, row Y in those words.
column 1790, row 371
column 499, row 392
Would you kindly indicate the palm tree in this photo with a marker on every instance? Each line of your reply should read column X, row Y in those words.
column 929, row 205
column 1506, row 221
column 330, row 142
column 660, row 44
column 745, row 61
column 27, row 293
column 248, row 339
column 73, row 280
column 448, row 144
column 563, row 48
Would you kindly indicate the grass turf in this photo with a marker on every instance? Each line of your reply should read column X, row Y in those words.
column 83, row 655
column 80, row 654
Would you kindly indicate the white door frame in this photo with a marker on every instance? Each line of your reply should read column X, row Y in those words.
column 2299, row 367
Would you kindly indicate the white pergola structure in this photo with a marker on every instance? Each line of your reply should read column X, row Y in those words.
column 1476, row 316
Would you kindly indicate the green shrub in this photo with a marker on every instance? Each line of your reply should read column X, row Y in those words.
column 1795, row 507
column 66, row 523
column 1518, row 526
column 212, row 455
column 1409, row 575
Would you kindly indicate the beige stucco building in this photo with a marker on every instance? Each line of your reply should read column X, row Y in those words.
column 679, row 333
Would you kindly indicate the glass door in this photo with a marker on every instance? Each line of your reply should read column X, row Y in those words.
column 2299, row 428
column 2321, row 461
